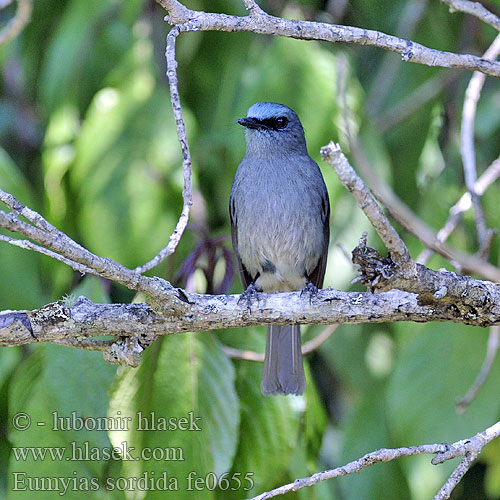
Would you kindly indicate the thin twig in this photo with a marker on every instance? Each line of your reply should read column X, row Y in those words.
column 491, row 353
column 470, row 450
column 307, row 348
column 252, row 7
column 467, row 448
column 475, row 9
column 399, row 210
column 18, row 22
column 456, row 476
column 263, row 23
column 467, row 148
column 187, row 192
column 490, row 175
column 34, row 217
column 245, row 355
column 28, row 245
column 333, row 155
column 320, row 339
column 356, row 466
column 51, row 239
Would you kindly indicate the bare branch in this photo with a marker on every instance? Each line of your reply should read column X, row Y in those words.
column 245, row 355
column 28, row 245
column 320, row 339
column 467, row 148
column 406, row 217
column 56, row 242
column 381, row 455
column 490, row 175
column 468, row 448
column 456, row 476
column 187, row 193
column 18, row 22
column 191, row 20
column 475, row 9
column 396, row 246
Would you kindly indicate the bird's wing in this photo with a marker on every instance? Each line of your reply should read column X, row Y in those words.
column 246, row 279
column 318, row 273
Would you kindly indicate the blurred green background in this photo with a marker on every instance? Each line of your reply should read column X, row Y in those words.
column 88, row 139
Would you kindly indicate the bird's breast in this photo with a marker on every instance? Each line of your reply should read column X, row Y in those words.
column 280, row 234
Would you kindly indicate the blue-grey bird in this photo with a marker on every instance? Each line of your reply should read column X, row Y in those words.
column 280, row 211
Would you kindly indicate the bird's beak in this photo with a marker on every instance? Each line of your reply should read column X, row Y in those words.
column 250, row 122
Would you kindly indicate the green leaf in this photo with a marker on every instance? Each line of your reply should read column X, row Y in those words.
column 19, row 283
column 304, row 460
column 70, row 68
column 269, row 425
column 181, row 377
column 8, row 360
column 92, row 288
column 53, row 385
column 126, row 174
column 491, row 455
column 367, row 430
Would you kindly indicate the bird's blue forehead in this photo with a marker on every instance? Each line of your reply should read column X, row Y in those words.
column 263, row 110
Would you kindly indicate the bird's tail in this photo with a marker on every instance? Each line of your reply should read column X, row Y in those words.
column 283, row 370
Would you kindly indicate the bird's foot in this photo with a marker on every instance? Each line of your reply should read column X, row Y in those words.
column 249, row 295
column 310, row 289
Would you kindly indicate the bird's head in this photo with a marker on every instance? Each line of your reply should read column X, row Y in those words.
column 271, row 128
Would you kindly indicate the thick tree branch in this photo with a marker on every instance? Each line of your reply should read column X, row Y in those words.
column 425, row 296
column 432, row 295
column 260, row 22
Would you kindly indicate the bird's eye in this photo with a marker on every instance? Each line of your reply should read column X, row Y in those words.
column 281, row 122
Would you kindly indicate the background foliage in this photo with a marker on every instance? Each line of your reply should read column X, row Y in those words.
column 88, row 138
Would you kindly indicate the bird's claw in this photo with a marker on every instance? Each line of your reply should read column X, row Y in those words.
column 248, row 296
column 310, row 289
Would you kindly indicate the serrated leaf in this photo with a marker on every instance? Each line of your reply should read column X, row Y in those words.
column 180, row 377
column 55, row 384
